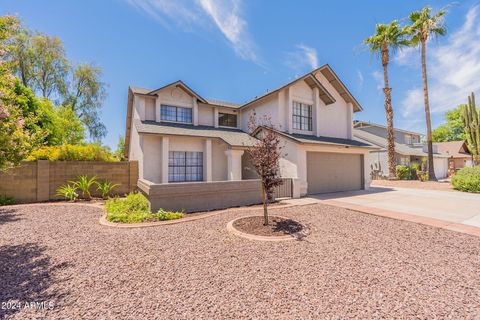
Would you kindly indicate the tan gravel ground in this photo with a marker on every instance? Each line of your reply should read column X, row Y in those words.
column 415, row 184
column 351, row 265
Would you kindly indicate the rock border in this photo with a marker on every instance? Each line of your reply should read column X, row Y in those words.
column 249, row 236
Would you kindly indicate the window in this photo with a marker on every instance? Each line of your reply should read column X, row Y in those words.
column 408, row 139
column 302, row 116
column 185, row 166
column 177, row 114
column 227, row 120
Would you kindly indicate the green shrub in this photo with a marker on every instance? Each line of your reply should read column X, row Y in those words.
column 403, row 172
column 84, row 183
column 168, row 215
column 68, row 152
column 69, row 192
column 467, row 180
column 135, row 208
column 6, row 200
column 105, row 187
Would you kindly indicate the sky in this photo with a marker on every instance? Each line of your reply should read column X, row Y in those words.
column 234, row 50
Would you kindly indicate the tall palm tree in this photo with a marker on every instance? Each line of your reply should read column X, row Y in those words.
column 387, row 37
column 423, row 26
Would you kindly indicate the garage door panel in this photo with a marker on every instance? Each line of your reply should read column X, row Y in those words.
column 333, row 172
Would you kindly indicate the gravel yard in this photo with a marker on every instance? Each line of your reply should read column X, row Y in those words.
column 351, row 265
column 415, row 184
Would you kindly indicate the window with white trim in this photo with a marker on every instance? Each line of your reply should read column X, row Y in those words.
column 184, row 166
column 176, row 114
column 302, row 116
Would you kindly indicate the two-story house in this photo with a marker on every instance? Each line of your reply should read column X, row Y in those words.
column 409, row 148
column 191, row 150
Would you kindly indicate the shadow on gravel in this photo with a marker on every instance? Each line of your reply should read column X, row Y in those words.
column 26, row 274
column 8, row 215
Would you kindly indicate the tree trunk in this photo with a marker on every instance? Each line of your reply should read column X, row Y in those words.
column 392, row 174
column 431, row 170
column 265, row 212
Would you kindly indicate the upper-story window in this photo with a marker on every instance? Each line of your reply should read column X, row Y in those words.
column 408, row 139
column 177, row 114
column 302, row 116
column 227, row 120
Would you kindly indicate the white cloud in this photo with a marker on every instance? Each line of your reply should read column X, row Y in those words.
column 361, row 80
column 304, row 57
column 453, row 67
column 378, row 76
column 226, row 15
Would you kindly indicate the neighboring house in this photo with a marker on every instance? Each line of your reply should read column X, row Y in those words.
column 409, row 148
column 191, row 150
column 458, row 154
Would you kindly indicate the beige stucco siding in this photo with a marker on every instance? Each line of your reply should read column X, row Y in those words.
column 219, row 161
column 205, row 115
column 152, row 158
column 266, row 108
column 150, row 109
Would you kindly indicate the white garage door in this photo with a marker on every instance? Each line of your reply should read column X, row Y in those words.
column 333, row 172
column 440, row 166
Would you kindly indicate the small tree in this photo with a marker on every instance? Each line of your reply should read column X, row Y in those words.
column 265, row 157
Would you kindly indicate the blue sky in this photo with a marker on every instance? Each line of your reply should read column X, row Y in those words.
column 234, row 50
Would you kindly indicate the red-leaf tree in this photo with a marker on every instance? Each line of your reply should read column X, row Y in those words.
column 265, row 157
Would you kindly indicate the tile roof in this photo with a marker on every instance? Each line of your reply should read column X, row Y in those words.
column 310, row 139
column 381, row 142
column 223, row 103
column 233, row 137
column 452, row 148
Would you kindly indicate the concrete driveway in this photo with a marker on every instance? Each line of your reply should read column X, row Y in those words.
column 450, row 206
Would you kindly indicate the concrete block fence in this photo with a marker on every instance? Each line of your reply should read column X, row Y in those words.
column 37, row 181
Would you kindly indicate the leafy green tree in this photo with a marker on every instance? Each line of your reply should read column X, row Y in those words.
column 16, row 141
column 85, row 96
column 50, row 65
column 425, row 25
column 452, row 129
column 120, row 152
column 387, row 37
column 22, row 55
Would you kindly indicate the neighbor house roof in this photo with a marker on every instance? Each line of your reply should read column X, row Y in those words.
column 233, row 137
column 456, row 149
column 381, row 142
column 362, row 124
column 311, row 139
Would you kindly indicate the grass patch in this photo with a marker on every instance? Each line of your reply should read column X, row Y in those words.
column 134, row 208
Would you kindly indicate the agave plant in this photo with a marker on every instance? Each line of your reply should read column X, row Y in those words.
column 84, row 183
column 105, row 187
column 68, row 192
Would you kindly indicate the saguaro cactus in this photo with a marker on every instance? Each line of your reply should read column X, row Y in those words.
column 471, row 124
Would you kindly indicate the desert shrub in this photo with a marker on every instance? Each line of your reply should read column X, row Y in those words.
column 68, row 152
column 84, row 183
column 105, row 187
column 135, row 208
column 467, row 180
column 69, row 192
column 6, row 200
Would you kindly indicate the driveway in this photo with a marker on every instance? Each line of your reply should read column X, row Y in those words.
column 352, row 265
column 450, row 206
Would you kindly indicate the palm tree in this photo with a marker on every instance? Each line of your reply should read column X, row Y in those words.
column 423, row 26
column 387, row 37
